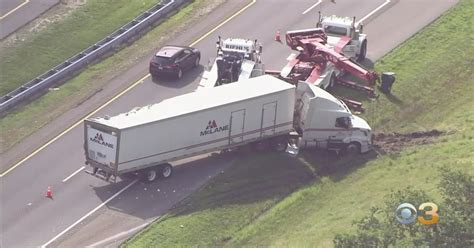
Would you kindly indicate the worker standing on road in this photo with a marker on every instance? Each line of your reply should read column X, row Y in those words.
column 220, row 67
column 236, row 69
column 218, row 44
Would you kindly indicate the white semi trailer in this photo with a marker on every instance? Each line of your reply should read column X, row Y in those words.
column 262, row 110
column 146, row 139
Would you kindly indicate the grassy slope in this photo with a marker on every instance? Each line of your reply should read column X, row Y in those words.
column 87, row 25
column 433, row 90
column 27, row 120
column 211, row 217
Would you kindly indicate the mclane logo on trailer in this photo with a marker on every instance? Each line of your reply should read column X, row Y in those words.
column 100, row 140
column 213, row 128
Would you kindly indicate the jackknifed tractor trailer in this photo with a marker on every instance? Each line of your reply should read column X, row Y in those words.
column 262, row 112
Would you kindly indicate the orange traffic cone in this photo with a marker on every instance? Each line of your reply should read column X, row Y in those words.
column 277, row 36
column 49, row 192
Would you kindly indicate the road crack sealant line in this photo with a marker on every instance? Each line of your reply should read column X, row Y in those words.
column 120, row 94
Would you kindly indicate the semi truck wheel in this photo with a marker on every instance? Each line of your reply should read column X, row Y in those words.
column 166, row 170
column 353, row 149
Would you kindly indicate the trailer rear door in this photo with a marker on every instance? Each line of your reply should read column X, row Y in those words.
column 268, row 119
column 237, row 120
column 101, row 146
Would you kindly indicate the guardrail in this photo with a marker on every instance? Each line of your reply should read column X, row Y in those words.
column 78, row 62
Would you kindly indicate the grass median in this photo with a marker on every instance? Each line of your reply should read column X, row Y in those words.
column 26, row 120
column 433, row 91
column 85, row 26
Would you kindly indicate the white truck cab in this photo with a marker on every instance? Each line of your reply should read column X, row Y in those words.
column 241, row 59
column 326, row 122
column 345, row 36
column 249, row 49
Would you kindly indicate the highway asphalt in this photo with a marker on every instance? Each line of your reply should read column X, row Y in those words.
column 30, row 219
column 14, row 14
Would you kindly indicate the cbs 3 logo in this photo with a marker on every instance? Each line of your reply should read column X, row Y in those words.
column 406, row 213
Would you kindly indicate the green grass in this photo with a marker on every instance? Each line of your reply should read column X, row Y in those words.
column 26, row 120
column 84, row 27
column 433, row 90
column 212, row 216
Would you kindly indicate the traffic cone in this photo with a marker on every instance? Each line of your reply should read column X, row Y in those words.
column 49, row 192
column 277, row 36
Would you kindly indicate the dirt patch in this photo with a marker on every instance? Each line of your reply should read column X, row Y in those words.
column 324, row 163
column 394, row 142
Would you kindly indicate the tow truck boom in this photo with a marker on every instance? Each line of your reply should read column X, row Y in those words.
column 312, row 44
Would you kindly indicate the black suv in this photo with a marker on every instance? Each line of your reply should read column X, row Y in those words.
column 173, row 60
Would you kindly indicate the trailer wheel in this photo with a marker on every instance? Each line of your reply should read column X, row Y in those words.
column 151, row 174
column 166, row 170
column 353, row 149
column 363, row 51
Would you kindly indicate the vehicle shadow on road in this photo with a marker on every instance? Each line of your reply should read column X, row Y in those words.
column 188, row 78
column 270, row 177
column 150, row 200
column 252, row 178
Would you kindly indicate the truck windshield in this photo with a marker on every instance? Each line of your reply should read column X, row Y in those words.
column 335, row 30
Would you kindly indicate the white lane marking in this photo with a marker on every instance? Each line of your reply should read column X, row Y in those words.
column 224, row 22
column 373, row 11
column 90, row 213
column 121, row 234
column 312, row 7
column 67, row 178
column 15, row 9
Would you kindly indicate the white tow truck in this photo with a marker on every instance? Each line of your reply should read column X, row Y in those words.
column 237, row 59
column 344, row 36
